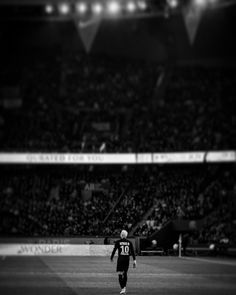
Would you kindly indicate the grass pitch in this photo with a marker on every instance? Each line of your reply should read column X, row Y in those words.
column 96, row 275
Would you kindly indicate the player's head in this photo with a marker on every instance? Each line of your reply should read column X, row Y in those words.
column 123, row 234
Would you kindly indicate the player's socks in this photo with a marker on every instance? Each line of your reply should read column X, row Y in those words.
column 125, row 278
column 121, row 281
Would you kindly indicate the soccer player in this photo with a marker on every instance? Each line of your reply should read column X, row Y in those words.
column 125, row 249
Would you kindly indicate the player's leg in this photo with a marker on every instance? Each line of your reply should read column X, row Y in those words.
column 119, row 269
column 121, row 279
column 122, row 268
column 125, row 271
column 125, row 278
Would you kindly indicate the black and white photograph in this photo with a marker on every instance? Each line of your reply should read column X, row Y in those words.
column 117, row 147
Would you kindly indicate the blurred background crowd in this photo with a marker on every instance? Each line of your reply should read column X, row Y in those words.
column 81, row 103
column 70, row 201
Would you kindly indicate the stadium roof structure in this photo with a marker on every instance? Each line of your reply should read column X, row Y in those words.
column 155, row 5
column 185, row 23
column 179, row 33
column 36, row 9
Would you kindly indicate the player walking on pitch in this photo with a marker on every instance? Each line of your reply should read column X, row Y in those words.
column 125, row 249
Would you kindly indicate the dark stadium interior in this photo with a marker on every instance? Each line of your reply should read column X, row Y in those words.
column 155, row 84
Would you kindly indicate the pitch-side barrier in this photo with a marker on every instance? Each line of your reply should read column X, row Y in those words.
column 54, row 250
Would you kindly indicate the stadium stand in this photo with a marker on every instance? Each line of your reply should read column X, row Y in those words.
column 75, row 202
column 79, row 103
column 195, row 199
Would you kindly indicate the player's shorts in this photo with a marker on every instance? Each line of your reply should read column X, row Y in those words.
column 122, row 264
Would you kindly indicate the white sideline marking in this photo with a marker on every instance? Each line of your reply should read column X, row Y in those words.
column 232, row 263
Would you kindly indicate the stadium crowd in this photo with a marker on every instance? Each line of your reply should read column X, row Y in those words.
column 76, row 103
column 195, row 113
column 71, row 202
column 72, row 102
column 212, row 203
column 80, row 103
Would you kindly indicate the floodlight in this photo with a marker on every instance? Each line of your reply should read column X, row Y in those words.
column 114, row 7
column 81, row 7
column 64, row 8
column 131, row 7
column 49, row 8
column 173, row 3
column 142, row 5
column 200, row 3
column 97, row 8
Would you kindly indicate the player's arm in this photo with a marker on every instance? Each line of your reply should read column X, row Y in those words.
column 114, row 250
column 133, row 255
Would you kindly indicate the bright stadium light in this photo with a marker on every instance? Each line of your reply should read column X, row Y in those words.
column 64, row 8
column 113, row 7
column 200, row 3
column 142, row 5
column 81, row 7
column 49, row 8
column 131, row 7
column 97, row 8
column 173, row 3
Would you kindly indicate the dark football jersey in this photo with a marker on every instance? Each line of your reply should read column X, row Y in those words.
column 125, row 249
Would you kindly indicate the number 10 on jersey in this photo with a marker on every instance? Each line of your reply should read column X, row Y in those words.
column 124, row 250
